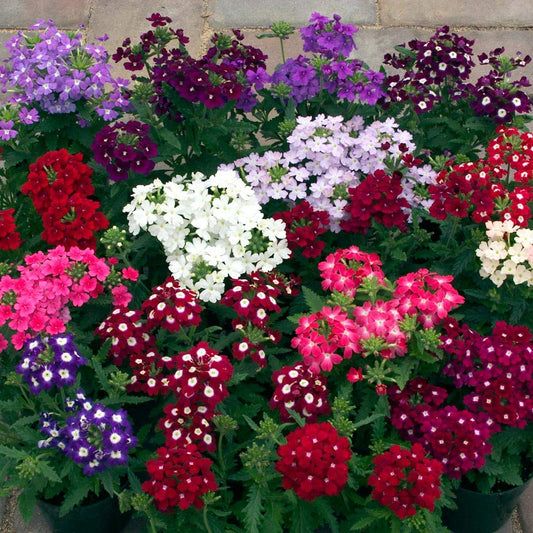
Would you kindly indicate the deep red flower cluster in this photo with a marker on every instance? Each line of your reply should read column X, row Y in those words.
column 406, row 479
column 377, row 197
column 346, row 269
column 125, row 147
column 59, row 185
column 9, row 237
column 497, row 368
column 179, row 477
column 298, row 389
column 459, row 439
column 254, row 300
column 314, row 461
column 486, row 189
column 303, row 226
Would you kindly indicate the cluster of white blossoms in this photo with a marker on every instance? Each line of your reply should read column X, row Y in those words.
column 507, row 253
column 211, row 228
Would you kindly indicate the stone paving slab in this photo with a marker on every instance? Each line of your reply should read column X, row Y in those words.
column 484, row 13
column 260, row 14
column 22, row 13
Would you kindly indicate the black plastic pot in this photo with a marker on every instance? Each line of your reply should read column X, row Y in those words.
column 102, row 517
column 481, row 513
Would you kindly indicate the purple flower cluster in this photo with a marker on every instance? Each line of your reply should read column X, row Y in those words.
column 493, row 94
column 215, row 79
column 328, row 37
column 125, row 147
column 48, row 361
column 442, row 66
column 94, row 436
column 52, row 71
column 331, row 42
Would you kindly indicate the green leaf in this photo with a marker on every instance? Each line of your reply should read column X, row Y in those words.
column 107, row 481
column 27, row 502
column 76, row 495
column 48, row 471
column 11, row 452
column 253, row 516
column 313, row 300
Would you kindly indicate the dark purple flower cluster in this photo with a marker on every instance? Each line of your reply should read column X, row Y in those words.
column 459, row 439
column 125, row 147
column 497, row 369
column 48, row 361
column 328, row 37
column 52, row 71
column 215, row 79
column 94, row 436
column 445, row 56
column 494, row 94
column 331, row 42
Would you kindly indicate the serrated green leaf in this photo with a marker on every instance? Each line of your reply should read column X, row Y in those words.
column 48, row 471
column 253, row 510
column 363, row 523
column 76, row 495
column 314, row 301
column 13, row 453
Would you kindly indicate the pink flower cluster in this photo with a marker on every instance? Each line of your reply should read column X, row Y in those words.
column 459, row 439
column 330, row 335
column 497, row 368
column 36, row 301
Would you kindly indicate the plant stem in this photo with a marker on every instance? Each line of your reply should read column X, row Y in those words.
column 206, row 522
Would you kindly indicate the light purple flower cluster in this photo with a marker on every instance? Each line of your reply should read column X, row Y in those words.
column 94, row 436
column 52, row 71
column 330, row 42
column 125, row 147
column 326, row 156
column 48, row 361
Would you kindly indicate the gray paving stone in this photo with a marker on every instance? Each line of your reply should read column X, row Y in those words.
column 23, row 13
column 255, row 14
column 518, row 13
column 525, row 509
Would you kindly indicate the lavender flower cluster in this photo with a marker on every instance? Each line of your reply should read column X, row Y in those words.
column 328, row 155
column 48, row 361
column 94, row 436
column 52, row 71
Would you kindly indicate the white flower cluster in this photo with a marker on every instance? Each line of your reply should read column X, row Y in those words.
column 211, row 228
column 507, row 253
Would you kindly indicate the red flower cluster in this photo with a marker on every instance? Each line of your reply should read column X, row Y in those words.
column 297, row 388
column 404, row 479
column 458, row 439
column 314, row 461
column 497, row 367
column 254, row 299
column 179, row 476
column 9, row 237
column 485, row 189
column 59, row 185
column 346, row 269
column 378, row 197
column 303, row 226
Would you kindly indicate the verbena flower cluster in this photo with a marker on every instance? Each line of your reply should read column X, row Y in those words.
column 314, row 461
column 330, row 68
column 48, row 361
column 497, row 368
column 59, row 185
column 327, row 156
column 406, row 479
column 9, row 236
column 94, row 436
column 125, row 147
column 51, row 71
column 211, row 228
